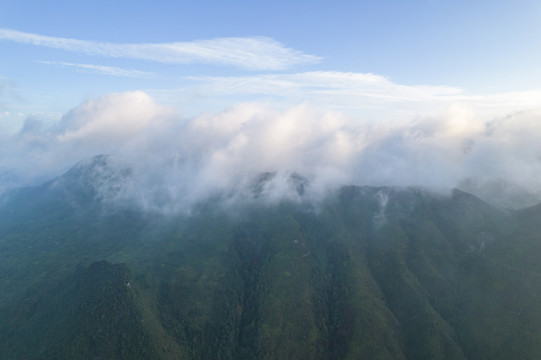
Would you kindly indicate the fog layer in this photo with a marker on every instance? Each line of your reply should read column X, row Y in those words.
column 175, row 162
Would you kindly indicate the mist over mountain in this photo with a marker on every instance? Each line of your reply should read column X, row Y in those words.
column 265, row 233
column 370, row 272
column 187, row 160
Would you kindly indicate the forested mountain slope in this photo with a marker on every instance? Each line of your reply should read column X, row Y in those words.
column 377, row 273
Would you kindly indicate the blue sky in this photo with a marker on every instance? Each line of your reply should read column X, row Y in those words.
column 420, row 92
column 479, row 47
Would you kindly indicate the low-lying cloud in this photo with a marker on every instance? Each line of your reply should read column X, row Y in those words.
column 178, row 162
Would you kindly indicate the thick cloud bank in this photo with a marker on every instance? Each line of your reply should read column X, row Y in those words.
column 177, row 162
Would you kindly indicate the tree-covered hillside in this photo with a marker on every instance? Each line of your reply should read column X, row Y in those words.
column 375, row 273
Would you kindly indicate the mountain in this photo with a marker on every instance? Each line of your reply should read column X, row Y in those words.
column 367, row 272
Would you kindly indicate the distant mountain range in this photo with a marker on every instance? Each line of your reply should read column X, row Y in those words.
column 366, row 273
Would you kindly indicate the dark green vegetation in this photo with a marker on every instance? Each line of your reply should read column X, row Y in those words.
column 372, row 273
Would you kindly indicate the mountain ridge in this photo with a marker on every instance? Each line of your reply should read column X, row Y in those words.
column 375, row 272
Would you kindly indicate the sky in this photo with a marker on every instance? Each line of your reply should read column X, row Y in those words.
column 432, row 90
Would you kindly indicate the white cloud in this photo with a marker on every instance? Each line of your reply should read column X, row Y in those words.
column 252, row 53
column 177, row 162
column 365, row 96
column 40, row 151
column 325, row 83
column 101, row 69
column 108, row 120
